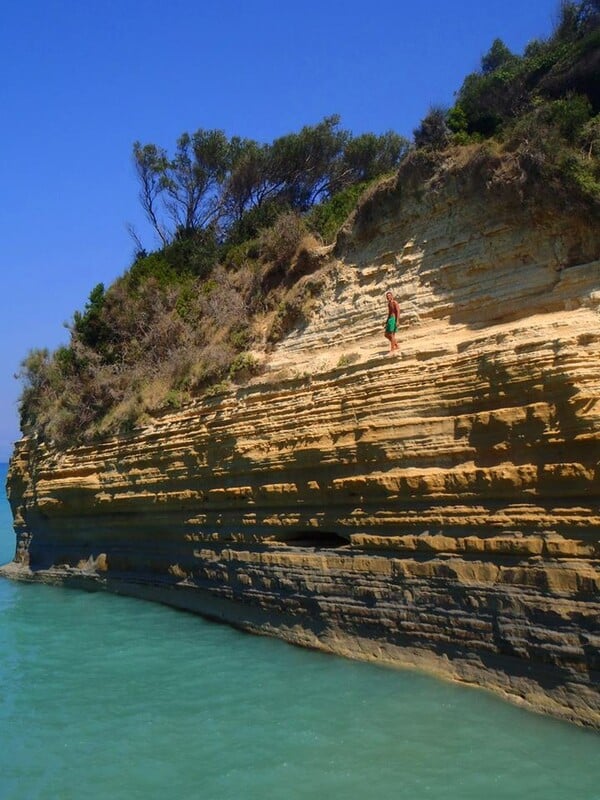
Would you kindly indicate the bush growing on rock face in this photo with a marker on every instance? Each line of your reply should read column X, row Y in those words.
column 433, row 132
column 556, row 142
column 491, row 100
column 89, row 325
column 166, row 343
column 555, row 121
column 243, row 366
column 195, row 254
column 569, row 115
column 539, row 106
column 252, row 222
column 589, row 138
column 34, row 374
column 327, row 218
column 498, row 56
column 279, row 243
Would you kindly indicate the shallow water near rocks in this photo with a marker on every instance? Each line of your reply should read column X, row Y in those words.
column 109, row 697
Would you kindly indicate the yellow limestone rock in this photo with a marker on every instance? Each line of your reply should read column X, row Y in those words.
column 439, row 508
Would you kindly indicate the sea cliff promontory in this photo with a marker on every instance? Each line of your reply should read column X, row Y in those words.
column 438, row 508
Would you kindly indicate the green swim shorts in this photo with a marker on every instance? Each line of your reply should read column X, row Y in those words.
column 390, row 325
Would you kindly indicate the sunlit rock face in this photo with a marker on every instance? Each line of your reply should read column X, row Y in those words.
column 438, row 508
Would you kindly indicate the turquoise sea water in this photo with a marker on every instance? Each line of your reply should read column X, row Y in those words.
column 109, row 697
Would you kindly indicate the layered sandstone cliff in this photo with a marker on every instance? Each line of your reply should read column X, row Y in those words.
column 439, row 508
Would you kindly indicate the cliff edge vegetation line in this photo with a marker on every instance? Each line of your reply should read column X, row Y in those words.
column 239, row 222
column 439, row 509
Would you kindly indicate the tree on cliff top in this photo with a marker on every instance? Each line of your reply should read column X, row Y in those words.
column 213, row 181
column 185, row 186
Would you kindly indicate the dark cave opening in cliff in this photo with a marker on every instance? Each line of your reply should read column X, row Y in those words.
column 316, row 539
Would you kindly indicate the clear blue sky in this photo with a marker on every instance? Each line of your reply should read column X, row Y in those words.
column 82, row 81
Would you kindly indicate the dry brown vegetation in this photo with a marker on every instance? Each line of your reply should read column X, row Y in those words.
column 142, row 348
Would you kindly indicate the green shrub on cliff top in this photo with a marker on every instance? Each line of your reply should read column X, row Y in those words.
column 327, row 218
column 507, row 85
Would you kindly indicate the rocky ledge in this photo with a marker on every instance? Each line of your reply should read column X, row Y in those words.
column 437, row 509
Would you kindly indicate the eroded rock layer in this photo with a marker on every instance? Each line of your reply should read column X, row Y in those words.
column 439, row 508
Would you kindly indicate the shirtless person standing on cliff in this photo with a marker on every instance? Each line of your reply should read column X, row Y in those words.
column 391, row 325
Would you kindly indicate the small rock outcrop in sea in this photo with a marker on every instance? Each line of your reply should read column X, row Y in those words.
column 437, row 509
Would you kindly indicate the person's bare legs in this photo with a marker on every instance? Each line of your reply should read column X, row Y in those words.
column 391, row 337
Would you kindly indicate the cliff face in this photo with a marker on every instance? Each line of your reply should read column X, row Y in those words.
column 439, row 508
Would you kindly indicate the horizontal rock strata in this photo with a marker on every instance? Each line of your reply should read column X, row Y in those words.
column 438, row 509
